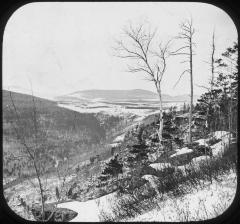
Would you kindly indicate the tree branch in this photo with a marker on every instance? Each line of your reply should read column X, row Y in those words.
column 187, row 70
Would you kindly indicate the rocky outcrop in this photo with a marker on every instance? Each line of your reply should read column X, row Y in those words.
column 182, row 156
column 54, row 214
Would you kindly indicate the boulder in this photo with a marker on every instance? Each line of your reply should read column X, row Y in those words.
column 200, row 160
column 219, row 148
column 182, row 156
column 59, row 215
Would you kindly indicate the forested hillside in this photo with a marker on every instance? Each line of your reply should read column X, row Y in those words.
column 62, row 133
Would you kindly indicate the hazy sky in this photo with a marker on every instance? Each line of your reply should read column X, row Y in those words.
column 64, row 47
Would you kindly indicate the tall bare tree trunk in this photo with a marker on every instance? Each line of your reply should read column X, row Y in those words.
column 187, row 32
column 191, row 86
column 160, row 130
column 230, row 110
column 212, row 80
column 30, row 151
column 212, row 60
column 41, row 192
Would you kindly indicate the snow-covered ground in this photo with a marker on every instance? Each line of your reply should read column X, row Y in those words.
column 89, row 211
column 119, row 107
column 160, row 166
column 182, row 151
column 113, row 145
column 119, row 138
column 204, row 202
column 201, row 203
column 111, row 110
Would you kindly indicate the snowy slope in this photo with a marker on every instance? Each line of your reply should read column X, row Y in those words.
column 201, row 204
column 89, row 211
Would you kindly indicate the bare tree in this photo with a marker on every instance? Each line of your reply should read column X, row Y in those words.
column 137, row 45
column 212, row 65
column 186, row 34
column 33, row 138
column 212, row 60
column 30, row 150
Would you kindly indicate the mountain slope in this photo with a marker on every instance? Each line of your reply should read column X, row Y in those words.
column 59, row 123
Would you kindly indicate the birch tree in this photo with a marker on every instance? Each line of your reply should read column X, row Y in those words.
column 186, row 35
column 137, row 46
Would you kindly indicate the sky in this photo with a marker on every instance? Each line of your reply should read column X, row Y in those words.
column 55, row 48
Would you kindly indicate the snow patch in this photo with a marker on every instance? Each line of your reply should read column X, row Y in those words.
column 219, row 148
column 89, row 211
column 160, row 166
column 200, row 159
column 113, row 145
column 202, row 142
column 119, row 138
column 220, row 134
column 182, row 151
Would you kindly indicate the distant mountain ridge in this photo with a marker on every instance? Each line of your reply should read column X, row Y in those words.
column 117, row 95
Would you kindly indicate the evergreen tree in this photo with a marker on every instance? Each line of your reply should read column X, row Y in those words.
column 113, row 167
column 220, row 102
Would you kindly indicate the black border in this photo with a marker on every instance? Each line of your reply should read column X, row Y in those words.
column 231, row 215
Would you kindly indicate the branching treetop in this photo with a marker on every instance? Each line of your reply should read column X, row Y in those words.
column 137, row 44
